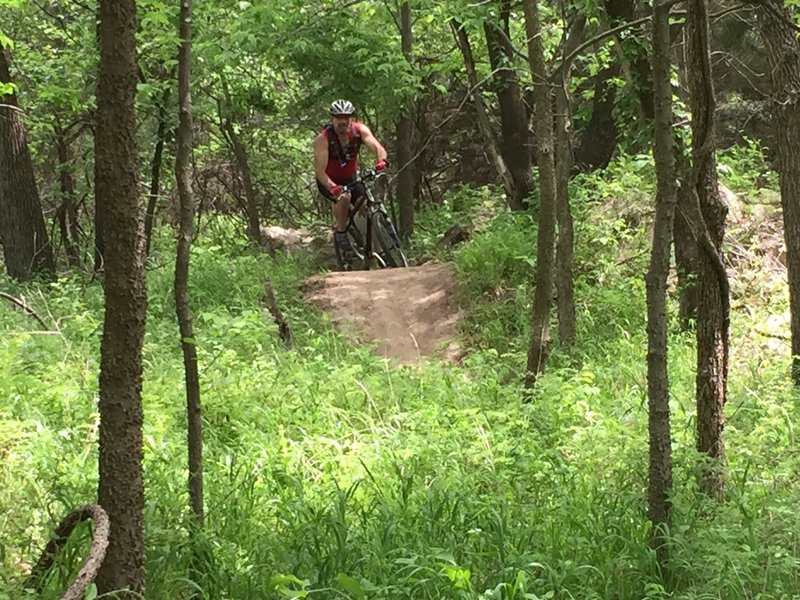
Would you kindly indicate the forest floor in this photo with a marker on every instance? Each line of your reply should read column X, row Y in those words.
column 408, row 314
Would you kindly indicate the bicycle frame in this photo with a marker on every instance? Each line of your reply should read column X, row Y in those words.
column 371, row 207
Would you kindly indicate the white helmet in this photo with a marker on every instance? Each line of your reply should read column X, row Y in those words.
column 342, row 107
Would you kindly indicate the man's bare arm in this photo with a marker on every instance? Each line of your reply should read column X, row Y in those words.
column 371, row 142
column 321, row 161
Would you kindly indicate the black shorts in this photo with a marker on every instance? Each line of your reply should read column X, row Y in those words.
column 357, row 190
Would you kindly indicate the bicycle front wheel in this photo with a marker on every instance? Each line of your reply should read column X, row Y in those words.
column 393, row 254
column 352, row 258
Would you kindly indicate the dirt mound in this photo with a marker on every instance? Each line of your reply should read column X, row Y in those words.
column 409, row 313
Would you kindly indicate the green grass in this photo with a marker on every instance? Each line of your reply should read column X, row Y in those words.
column 331, row 473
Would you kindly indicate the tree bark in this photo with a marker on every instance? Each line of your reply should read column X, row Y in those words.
column 406, row 175
column 483, row 118
column 121, row 491
column 686, row 255
column 545, row 243
column 514, row 137
column 713, row 309
column 660, row 472
column 183, row 309
column 26, row 247
column 565, row 291
column 778, row 29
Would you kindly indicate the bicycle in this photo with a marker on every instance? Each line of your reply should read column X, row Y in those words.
column 378, row 224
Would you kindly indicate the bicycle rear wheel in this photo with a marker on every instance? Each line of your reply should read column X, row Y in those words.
column 393, row 254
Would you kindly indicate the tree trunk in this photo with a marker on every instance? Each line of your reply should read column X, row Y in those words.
column 686, row 255
column 599, row 138
column 778, row 30
column 713, row 309
column 67, row 212
column 483, row 118
column 565, row 292
column 26, row 247
column 406, row 175
column 660, row 472
column 155, row 172
column 637, row 64
column 242, row 162
column 545, row 243
column 121, row 491
column 183, row 177
column 513, row 120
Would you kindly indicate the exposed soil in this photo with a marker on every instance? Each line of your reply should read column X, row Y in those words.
column 407, row 313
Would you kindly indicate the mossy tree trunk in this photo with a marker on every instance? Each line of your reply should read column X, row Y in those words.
column 779, row 31
column 545, row 244
column 713, row 290
column 660, row 471
column 121, row 491
column 514, row 140
column 26, row 246
column 185, row 233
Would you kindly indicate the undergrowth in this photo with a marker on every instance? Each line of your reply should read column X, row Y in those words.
column 332, row 473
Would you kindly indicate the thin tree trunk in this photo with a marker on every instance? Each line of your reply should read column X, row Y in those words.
column 660, row 473
column 406, row 175
column 121, row 491
column 242, row 162
column 779, row 32
column 513, row 120
column 155, row 171
column 686, row 254
column 67, row 212
column 545, row 243
column 565, row 289
column 183, row 309
column 713, row 310
column 483, row 118
column 26, row 247
column 637, row 65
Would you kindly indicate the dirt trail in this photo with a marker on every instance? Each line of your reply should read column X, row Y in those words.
column 410, row 313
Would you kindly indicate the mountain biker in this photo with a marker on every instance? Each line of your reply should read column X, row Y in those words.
column 336, row 150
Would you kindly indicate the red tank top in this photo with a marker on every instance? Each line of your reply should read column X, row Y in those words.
column 342, row 160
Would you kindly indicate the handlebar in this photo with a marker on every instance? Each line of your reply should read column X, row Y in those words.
column 367, row 176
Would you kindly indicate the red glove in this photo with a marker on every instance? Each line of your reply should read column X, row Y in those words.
column 337, row 191
column 381, row 165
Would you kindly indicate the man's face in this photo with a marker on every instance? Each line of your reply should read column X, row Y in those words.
column 341, row 123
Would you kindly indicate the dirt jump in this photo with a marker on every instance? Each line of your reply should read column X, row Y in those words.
column 407, row 314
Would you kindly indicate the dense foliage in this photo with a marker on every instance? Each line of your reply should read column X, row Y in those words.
column 334, row 473
column 331, row 472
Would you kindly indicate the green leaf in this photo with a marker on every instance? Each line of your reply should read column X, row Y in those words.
column 5, row 41
column 351, row 585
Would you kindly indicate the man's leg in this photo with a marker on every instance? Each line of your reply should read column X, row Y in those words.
column 341, row 212
column 341, row 209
